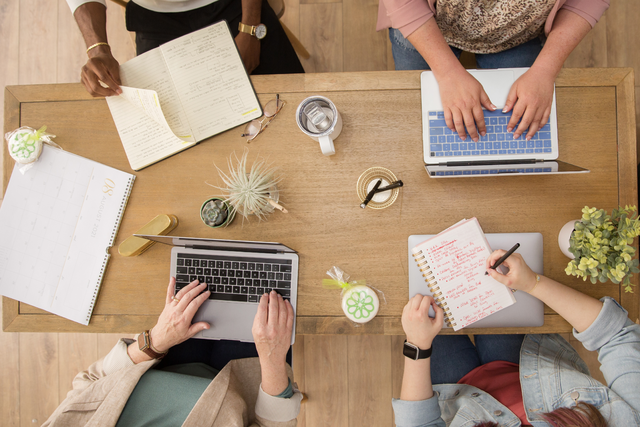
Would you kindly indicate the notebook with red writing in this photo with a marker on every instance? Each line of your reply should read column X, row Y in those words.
column 453, row 264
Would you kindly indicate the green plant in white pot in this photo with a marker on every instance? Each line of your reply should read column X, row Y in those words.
column 601, row 244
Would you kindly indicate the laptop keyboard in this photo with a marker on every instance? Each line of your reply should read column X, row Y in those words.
column 235, row 278
column 446, row 143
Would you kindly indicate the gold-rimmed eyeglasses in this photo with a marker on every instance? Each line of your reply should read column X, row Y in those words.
column 255, row 127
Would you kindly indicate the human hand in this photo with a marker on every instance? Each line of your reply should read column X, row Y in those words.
column 520, row 276
column 249, row 48
column 463, row 98
column 174, row 324
column 418, row 326
column 530, row 97
column 101, row 67
column 271, row 331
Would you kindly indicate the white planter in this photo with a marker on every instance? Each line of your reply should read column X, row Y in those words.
column 564, row 236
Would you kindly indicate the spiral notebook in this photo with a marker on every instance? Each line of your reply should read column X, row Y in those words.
column 453, row 266
column 57, row 222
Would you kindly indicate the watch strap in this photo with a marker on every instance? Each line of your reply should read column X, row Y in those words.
column 249, row 29
column 421, row 354
column 145, row 346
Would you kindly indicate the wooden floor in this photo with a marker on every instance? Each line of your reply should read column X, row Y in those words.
column 349, row 380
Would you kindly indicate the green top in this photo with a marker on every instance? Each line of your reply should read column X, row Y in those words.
column 166, row 397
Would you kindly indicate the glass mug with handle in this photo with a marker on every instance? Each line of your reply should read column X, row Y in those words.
column 319, row 118
column 270, row 111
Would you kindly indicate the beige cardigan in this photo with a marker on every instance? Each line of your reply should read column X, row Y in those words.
column 234, row 397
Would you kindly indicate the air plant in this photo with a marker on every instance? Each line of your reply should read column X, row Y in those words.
column 250, row 192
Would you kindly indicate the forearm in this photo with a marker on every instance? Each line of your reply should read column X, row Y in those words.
column 430, row 42
column 251, row 12
column 92, row 21
column 274, row 379
column 567, row 32
column 578, row 309
column 416, row 380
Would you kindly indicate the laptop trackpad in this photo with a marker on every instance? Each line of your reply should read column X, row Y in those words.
column 496, row 83
column 228, row 320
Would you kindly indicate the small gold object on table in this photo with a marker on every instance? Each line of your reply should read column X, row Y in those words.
column 160, row 225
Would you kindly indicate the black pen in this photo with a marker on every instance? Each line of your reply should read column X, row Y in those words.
column 371, row 194
column 390, row 186
column 503, row 257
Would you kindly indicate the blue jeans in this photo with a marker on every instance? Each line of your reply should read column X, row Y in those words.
column 406, row 57
column 454, row 356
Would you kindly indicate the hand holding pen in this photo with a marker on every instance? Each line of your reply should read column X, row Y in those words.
column 502, row 258
column 520, row 276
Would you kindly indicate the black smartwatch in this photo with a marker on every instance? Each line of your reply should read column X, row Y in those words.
column 413, row 352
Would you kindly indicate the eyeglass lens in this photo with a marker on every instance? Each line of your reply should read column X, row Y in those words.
column 252, row 129
column 272, row 107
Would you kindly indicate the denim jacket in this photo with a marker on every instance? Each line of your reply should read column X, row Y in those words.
column 552, row 376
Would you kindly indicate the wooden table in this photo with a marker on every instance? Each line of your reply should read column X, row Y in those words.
column 382, row 127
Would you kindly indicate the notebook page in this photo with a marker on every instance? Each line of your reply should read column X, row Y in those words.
column 211, row 80
column 144, row 140
column 149, row 71
column 56, row 223
column 457, row 258
column 148, row 101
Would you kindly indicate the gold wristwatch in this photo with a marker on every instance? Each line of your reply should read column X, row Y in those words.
column 258, row 31
column 144, row 344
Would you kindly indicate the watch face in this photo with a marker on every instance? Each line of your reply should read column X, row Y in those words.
column 410, row 351
column 261, row 31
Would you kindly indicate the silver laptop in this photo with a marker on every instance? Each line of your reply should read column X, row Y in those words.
column 496, row 153
column 527, row 311
column 238, row 273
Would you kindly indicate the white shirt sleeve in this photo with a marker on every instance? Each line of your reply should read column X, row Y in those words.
column 118, row 358
column 276, row 408
column 74, row 4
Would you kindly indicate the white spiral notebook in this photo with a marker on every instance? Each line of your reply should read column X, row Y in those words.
column 57, row 222
column 453, row 265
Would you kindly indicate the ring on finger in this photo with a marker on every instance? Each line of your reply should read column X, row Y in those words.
column 175, row 299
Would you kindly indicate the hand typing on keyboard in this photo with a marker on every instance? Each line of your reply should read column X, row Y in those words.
column 174, row 324
column 271, row 331
column 530, row 98
column 463, row 98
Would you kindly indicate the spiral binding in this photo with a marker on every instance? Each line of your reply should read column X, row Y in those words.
column 116, row 226
column 420, row 258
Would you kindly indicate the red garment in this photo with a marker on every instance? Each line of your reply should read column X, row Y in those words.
column 502, row 381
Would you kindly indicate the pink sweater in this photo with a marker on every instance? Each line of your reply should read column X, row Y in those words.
column 408, row 15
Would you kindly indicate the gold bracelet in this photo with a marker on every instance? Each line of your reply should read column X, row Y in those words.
column 96, row 45
column 534, row 286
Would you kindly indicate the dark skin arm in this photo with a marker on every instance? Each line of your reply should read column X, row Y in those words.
column 248, row 45
column 101, row 65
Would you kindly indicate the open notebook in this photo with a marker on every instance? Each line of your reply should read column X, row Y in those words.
column 181, row 93
column 453, row 266
column 57, row 222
